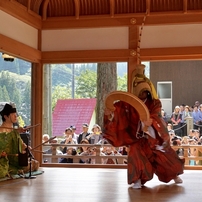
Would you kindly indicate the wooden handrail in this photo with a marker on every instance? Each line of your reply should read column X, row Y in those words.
column 98, row 157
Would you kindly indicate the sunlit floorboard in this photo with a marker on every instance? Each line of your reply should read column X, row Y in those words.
column 98, row 185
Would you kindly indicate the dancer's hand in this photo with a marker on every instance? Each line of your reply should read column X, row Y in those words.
column 160, row 148
column 109, row 113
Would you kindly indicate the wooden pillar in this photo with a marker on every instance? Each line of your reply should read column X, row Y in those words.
column 133, row 43
column 47, row 101
column 36, row 108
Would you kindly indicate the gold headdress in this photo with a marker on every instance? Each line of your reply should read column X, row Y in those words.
column 141, row 83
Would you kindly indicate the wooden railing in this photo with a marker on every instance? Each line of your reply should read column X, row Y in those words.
column 193, row 162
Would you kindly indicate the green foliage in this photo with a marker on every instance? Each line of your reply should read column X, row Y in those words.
column 5, row 96
column 86, row 84
column 26, row 104
column 18, row 66
column 10, row 91
column 61, row 74
column 122, row 83
column 60, row 92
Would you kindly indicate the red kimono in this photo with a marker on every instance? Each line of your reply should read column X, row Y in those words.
column 143, row 158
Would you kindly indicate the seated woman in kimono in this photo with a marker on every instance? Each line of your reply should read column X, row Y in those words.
column 11, row 144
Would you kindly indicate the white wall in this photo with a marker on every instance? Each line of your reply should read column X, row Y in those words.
column 85, row 39
column 17, row 30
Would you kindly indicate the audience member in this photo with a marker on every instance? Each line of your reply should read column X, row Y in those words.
column 196, row 119
column 84, row 133
column 68, row 140
column 185, row 114
column 112, row 152
column 200, row 119
column 90, row 151
column 176, row 118
column 70, row 151
column 74, row 135
column 45, row 138
column 96, row 134
column 50, row 151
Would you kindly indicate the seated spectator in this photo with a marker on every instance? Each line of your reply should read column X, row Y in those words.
column 45, row 138
column 185, row 140
column 70, row 151
column 68, row 140
column 82, row 148
column 177, row 139
column 111, row 151
column 170, row 129
column 50, row 151
column 90, row 151
column 96, row 135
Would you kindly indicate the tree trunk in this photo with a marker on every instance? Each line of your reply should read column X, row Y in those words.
column 106, row 83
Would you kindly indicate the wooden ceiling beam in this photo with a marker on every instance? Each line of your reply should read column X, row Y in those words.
column 112, row 6
column 121, row 55
column 86, row 56
column 19, row 50
column 185, row 6
column 120, row 20
column 174, row 53
column 45, row 6
column 20, row 12
column 77, row 6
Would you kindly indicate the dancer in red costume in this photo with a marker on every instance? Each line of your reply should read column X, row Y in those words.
column 149, row 152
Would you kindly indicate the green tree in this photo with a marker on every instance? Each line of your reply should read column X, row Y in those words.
column 15, row 94
column 25, row 108
column 86, row 86
column 12, row 90
column 1, row 94
column 61, row 75
column 122, row 83
column 5, row 94
column 106, row 82
column 60, row 92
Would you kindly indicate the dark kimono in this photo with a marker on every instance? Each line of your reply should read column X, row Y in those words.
column 143, row 158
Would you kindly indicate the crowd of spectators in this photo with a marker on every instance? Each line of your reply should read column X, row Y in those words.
column 179, row 136
column 87, row 138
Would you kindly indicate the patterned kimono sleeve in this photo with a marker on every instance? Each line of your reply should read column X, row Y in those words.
column 120, row 131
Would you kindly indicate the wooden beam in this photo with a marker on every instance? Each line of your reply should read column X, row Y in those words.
column 77, row 6
column 133, row 61
column 45, row 6
column 121, row 55
column 174, row 53
column 121, row 20
column 18, row 49
column 185, row 6
column 85, row 22
column 86, row 56
column 20, row 12
column 111, row 3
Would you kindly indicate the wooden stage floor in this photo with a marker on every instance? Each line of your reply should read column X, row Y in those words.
column 98, row 185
